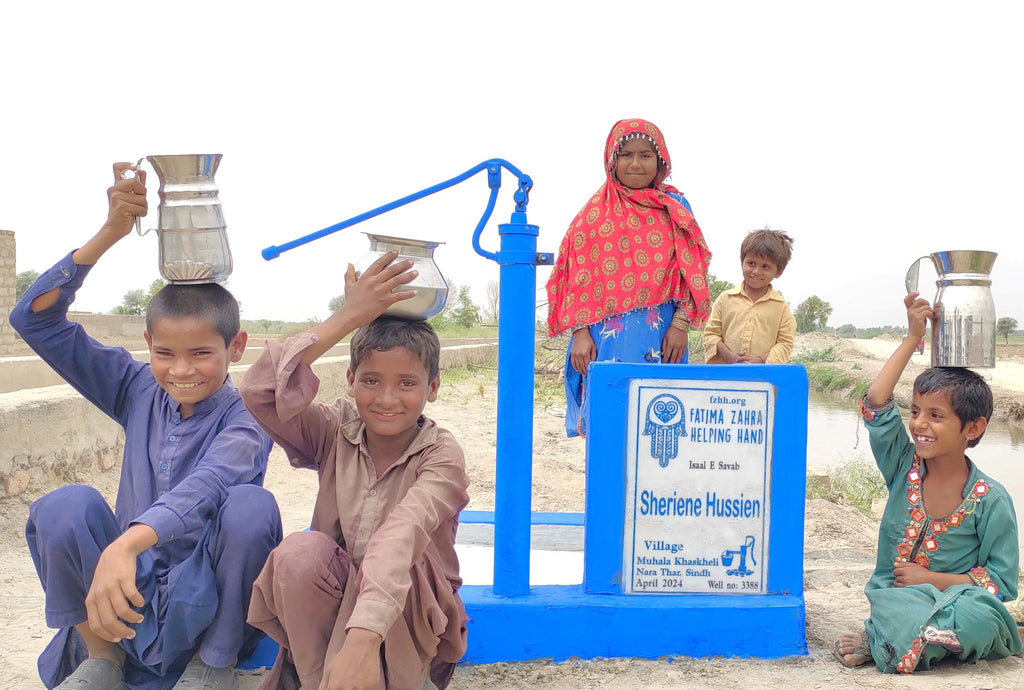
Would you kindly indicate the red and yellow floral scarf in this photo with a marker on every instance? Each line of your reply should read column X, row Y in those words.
column 629, row 248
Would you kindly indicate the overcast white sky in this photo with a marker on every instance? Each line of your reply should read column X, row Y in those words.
column 873, row 132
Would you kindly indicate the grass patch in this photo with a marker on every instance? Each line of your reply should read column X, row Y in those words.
column 547, row 390
column 455, row 375
column 825, row 378
column 860, row 390
column 855, row 482
column 476, row 376
column 695, row 344
column 549, row 362
column 827, row 354
column 479, row 331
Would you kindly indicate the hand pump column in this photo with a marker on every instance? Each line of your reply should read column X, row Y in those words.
column 518, row 260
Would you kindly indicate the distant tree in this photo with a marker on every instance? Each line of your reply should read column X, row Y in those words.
column 444, row 319
column 847, row 330
column 717, row 287
column 154, row 287
column 132, row 303
column 336, row 303
column 812, row 314
column 1005, row 326
column 25, row 280
column 459, row 310
column 490, row 311
column 465, row 314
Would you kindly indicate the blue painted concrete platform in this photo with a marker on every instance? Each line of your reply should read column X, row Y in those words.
column 558, row 622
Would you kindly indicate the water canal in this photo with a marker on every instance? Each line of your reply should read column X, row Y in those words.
column 832, row 439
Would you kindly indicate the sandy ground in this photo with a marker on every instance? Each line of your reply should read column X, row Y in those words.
column 839, row 547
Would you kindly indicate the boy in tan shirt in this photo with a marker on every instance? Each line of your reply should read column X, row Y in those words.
column 368, row 597
column 751, row 323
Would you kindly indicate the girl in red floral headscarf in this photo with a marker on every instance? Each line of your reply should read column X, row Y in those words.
column 631, row 274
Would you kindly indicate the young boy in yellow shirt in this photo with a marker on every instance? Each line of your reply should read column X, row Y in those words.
column 751, row 323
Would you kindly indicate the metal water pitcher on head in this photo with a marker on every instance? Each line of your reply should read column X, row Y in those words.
column 430, row 286
column 964, row 329
column 191, row 228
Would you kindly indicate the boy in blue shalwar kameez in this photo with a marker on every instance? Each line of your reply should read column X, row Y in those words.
column 153, row 594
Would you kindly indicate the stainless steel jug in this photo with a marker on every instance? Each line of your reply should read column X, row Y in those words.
column 191, row 228
column 431, row 287
column 964, row 330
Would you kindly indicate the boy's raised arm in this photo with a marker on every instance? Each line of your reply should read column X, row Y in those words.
column 279, row 394
column 366, row 298
column 918, row 314
column 104, row 376
column 127, row 199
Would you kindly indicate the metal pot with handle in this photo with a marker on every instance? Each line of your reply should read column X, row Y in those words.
column 191, row 228
column 964, row 330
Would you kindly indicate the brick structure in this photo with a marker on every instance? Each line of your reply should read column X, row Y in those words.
column 8, row 289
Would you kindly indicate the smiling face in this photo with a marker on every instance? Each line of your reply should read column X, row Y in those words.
column 391, row 388
column 189, row 358
column 758, row 273
column 937, row 431
column 636, row 164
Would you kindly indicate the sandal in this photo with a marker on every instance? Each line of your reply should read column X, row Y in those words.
column 863, row 649
column 199, row 676
column 94, row 674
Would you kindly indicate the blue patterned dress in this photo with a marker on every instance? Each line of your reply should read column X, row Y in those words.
column 635, row 336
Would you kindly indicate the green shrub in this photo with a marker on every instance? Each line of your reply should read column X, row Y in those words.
column 854, row 481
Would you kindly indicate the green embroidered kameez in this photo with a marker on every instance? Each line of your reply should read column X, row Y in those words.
column 908, row 625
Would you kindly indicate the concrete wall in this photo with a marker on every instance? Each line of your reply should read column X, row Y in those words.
column 8, row 289
column 20, row 373
column 53, row 436
column 101, row 326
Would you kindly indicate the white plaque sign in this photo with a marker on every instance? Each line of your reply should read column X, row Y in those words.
column 698, row 469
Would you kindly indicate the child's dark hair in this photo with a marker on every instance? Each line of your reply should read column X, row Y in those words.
column 207, row 301
column 774, row 245
column 387, row 332
column 969, row 395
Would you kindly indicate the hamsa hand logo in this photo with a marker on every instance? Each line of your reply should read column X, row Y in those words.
column 665, row 424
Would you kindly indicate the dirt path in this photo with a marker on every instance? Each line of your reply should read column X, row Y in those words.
column 839, row 548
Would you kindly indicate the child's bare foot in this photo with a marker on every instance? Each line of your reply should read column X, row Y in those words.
column 852, row 650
